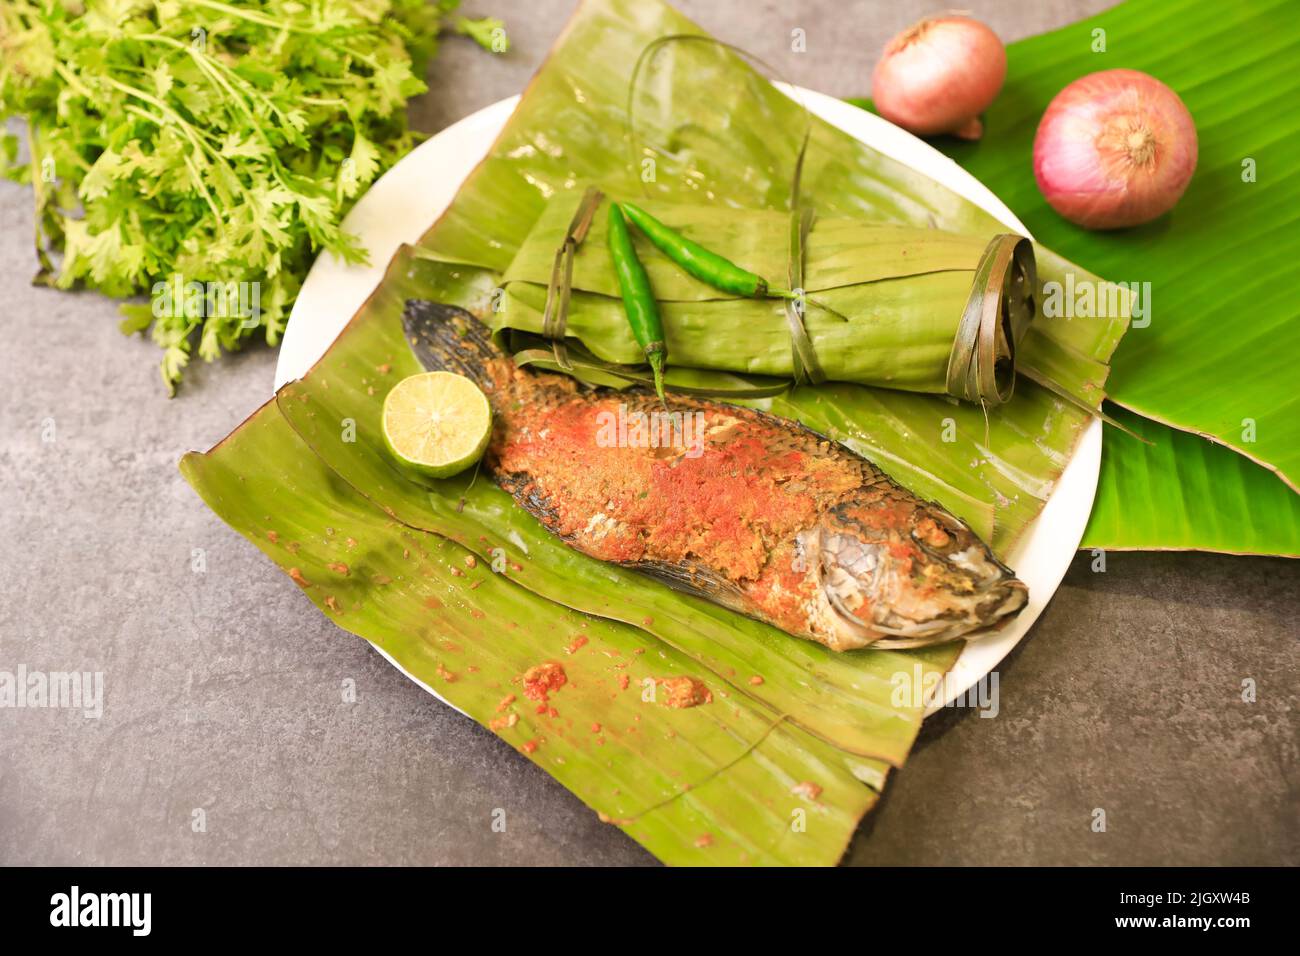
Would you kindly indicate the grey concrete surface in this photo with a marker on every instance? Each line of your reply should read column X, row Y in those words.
column 223, row 688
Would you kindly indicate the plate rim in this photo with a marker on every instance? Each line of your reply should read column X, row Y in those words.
column 405, row 201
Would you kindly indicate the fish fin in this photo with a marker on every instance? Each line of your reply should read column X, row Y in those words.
column 528, row 496
column 698, row 580
column 446, row 338
column 691, row 577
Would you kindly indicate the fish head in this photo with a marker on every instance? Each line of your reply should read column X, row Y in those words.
column 904, row 575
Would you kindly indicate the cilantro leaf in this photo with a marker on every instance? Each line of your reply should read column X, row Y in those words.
column 487, row 32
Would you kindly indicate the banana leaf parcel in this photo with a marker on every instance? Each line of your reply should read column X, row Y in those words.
column 886, row 305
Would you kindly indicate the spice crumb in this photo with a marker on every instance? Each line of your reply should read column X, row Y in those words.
column 808, row 790
column 685, row 692
column 541, row 680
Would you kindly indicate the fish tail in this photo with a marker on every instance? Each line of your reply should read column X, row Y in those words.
column 446, row 338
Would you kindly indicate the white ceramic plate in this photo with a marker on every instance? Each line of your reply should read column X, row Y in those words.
column 406, row 200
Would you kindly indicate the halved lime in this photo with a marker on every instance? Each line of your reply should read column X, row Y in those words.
column 437, row 423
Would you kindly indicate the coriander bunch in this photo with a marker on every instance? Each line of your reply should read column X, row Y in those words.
column 221, row 142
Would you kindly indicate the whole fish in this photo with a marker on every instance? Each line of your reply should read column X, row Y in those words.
column 756, row 513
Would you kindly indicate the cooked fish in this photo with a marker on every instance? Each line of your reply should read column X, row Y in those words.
column 751, row 511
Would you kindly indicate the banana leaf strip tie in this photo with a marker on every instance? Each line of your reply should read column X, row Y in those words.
column 560, row 289
column 1003, row 301
column 803, row 357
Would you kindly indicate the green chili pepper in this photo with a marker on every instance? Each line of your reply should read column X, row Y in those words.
column 638, row 298
column 709, row 267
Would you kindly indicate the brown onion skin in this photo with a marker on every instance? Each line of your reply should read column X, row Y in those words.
column 1115, row 149
column 938, row 75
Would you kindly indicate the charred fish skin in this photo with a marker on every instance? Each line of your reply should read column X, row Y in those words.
column 751, row 511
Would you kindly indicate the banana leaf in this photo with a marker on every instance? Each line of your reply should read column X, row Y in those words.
column 721, row 134
column 718, row 783
column 1181, row 492
column 1218, row 356
column 845, row 699
column 898, row 295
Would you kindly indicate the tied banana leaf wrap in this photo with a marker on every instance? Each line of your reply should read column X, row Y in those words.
column 887, row 305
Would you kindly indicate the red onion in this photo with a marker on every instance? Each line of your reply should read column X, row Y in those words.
column 1114, row 149
column 939, row 75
